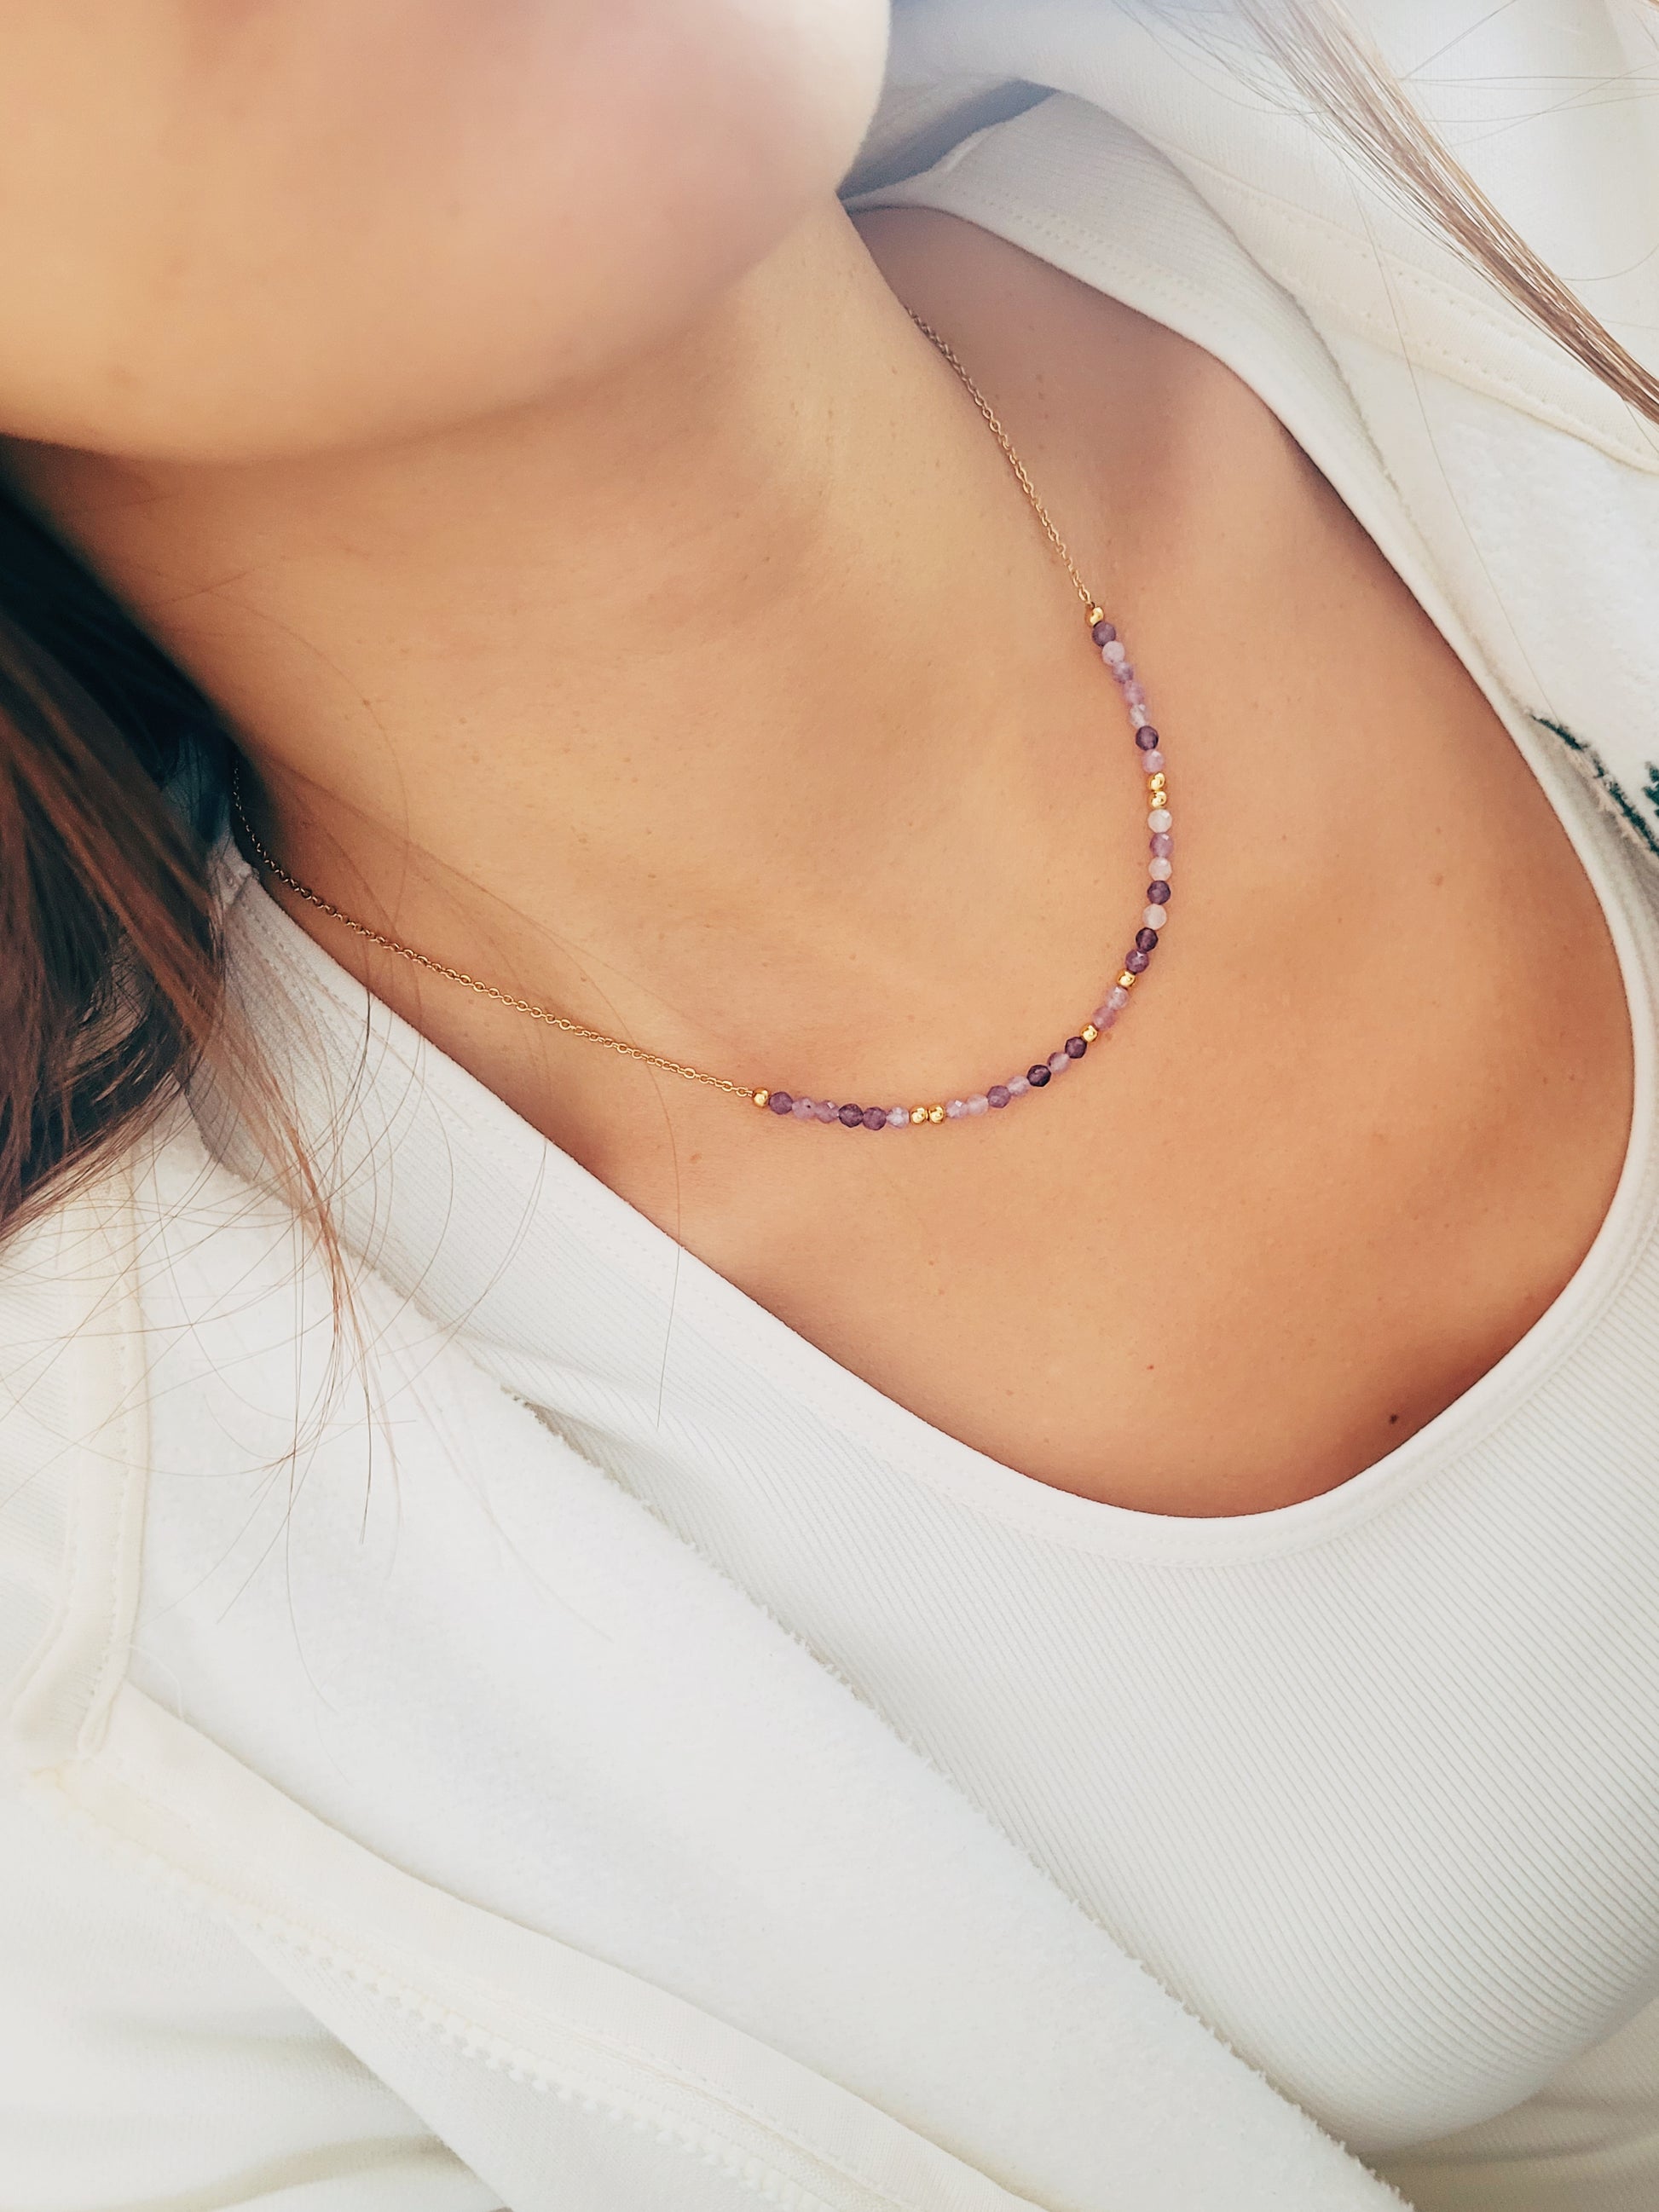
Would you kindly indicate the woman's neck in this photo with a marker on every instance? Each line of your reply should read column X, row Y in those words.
column 697, row 661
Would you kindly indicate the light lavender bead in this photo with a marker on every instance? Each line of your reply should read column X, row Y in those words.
column 1059, row 1062
column 1156, row 917
column 979, row 1104
column 1135, row 694
column 1139, row 717
column 826, row 1110
column 955, row 1109
column 1160, row 869
column 1104, row 1017
column 803, row 1109
column 1113, row 653
column 1163, row 845
column 1152, row 763
column 898, row 1119
column 1116, row 999
column 1160, row 819
column 1017, row 1086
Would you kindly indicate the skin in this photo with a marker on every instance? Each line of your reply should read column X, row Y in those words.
column 616, row 597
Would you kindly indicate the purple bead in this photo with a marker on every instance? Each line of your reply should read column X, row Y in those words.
column 1163, row 845
column 1076, row 1047
column 1104, row 1017
column 826, row 1110
column 1115, row 999
column 998, row 1094
column 875, row 1117
column 1146, row 738
column 1103, row 633
column 1157, row 894
column 780, row 1101
column 850, row 1116
column 1146, row 940
column 1135, row 694
column 1138, row 962
column 1039, row 1073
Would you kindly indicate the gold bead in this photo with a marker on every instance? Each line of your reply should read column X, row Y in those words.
column 917, row 1114
column 759, row 1097
column 936, row 1113
column 1155, row 783
column 1126, row 981
column 1095, row 615
column 1088, row 1033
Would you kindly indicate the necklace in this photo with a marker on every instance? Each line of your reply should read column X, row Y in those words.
column 783, row 1103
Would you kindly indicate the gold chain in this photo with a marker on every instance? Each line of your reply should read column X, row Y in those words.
column 273, row 868
column 994, row 424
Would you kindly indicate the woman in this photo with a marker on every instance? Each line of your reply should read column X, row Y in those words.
column 576, row 1632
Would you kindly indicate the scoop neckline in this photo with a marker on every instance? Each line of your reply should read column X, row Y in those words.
column 709, row 1303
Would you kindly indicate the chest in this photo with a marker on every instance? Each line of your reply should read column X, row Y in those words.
column 1360, row 1124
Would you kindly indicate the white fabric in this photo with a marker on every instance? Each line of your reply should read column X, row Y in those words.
column 1372, row 1782
column 609, row 1891
column 589, row 1863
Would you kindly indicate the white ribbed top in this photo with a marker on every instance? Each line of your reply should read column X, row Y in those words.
column 1371, row 1781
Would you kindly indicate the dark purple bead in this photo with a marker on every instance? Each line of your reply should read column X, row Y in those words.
column 1138, row 962
column 1076, row 1047
column 875, row 1117
column 851, row 1116
column 1146, row 940
column 998, row 1094
column 1103, row 634
column 1146, row 738
column 1157, row 894
column 780, row 1101
column 1037, row 1076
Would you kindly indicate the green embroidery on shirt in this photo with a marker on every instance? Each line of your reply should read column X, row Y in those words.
column 1616, row 795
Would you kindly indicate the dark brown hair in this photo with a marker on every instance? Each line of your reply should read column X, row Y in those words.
column 110, row 965
column 109, row 957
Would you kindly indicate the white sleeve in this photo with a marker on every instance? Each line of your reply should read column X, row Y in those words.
column 147, row 2061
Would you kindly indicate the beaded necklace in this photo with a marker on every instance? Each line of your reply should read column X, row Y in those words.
column 784, row 1104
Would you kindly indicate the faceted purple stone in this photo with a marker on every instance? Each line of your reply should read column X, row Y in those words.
column 1146, row 738
column 1103, row 634
column 1146, row 940
column 1076, row 1047
column 1138, row 962
column 1163, row 845
column 998, row 1094
column 1038, row 1075
column 780, row 1101
column 850, row 1116
column 1157, row 894
column 826, row 1110
column 875, row 1117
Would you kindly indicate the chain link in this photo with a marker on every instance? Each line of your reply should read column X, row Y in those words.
column 528, row 1007
column 993, row 423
